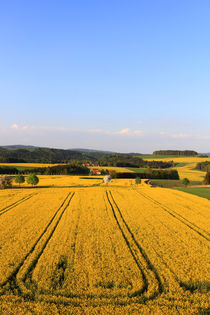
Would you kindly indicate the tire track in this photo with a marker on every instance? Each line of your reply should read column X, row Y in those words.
column 70, row 268
column 11, row 281
column 152, row 283
column 24, row 275
column 178, row 217
column 17, row 203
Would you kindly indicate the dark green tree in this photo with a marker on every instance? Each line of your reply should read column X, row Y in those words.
column 207, row 179
column 138, row 180
column 19, row 179
column 32, row 179
column 185, row 182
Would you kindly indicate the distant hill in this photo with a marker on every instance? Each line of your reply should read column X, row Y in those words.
column 30, row 154
column 92, row 150
column 33, row 154
column 19, row 146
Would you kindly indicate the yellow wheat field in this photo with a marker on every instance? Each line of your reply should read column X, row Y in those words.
column 183, row 159
column 187, row 170
column 84, row 247
column 190, row 172
column 27, row 164
column 113, row 168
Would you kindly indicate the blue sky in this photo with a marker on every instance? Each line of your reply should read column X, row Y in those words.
column 116, row 75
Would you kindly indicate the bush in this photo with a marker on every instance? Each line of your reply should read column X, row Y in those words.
column 19, row 179
column 5, row 182
column 138, row 180
column 32, row 179
column 207, row 179
column 113, row 173
column 185, row 181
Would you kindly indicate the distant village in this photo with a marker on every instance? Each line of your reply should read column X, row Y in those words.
column 95, row 170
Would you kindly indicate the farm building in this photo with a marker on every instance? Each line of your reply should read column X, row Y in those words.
column 96, row 171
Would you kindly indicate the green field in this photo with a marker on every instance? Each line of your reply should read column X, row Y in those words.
column 201, row 192
column 170, row 183
column 136, row 170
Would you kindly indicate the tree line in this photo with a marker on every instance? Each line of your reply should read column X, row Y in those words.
column 126, row 160
column 176, row 152
column 71, row 169
column 150, row 174
column 6, row 181
column 42, row 155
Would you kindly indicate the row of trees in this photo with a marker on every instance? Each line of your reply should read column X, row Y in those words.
column 176, row 152
column 150, row 174
column 6, row 181
column 126, row 160
column 61, row 169
column 31, row 179
column 41, row 155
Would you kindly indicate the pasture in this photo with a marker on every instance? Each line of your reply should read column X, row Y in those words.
column 199, row 191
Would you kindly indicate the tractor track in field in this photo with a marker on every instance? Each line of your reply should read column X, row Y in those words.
column 73, row 248
column 17, row 203
column 177, row 216
column 148, row 271
column 14, row 282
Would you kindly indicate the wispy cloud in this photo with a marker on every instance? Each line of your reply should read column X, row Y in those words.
column 175, row 135
column 129, row 132
column 203, row 137
column 180, row 136
column 97, row 131
column 124, row 131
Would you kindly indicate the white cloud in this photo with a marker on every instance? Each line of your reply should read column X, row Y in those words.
column 15, row 126
column 124, row 131
column 128, row 132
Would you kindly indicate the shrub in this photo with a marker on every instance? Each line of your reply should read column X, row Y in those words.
column 138, row 180
column 113, row 173
column 19, row 179
column 207, row 179
column 32, row 179
column 185, row 181
column 5, row 182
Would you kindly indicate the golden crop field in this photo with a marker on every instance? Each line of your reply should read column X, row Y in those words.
column 113, row 168
column 74, row 245
column 188, row 169
column 184, row 159
column 27, row 164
